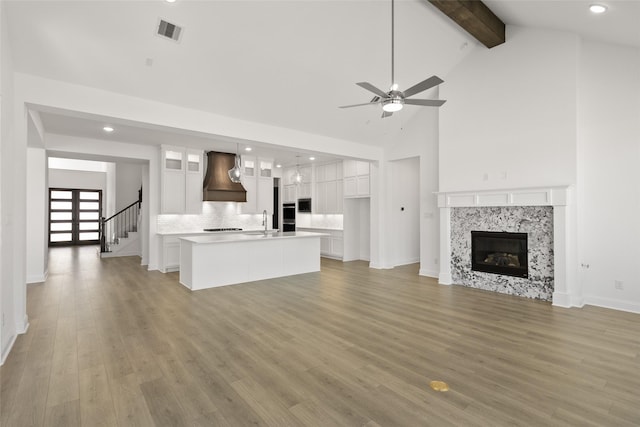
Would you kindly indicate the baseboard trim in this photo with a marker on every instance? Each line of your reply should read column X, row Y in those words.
column 379, row 267
column 444, row 278
column 38, row 278
column 19, row 331
column 7, row 350
column 25, row 325
column 613, row 304
column 428, row 273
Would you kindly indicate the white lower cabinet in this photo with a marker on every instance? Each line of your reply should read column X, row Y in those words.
column 170, row 259
column 331, row 246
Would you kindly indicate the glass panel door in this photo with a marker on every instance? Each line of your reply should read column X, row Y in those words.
column 74, row 216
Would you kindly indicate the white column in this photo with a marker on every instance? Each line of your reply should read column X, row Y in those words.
column 444, row 278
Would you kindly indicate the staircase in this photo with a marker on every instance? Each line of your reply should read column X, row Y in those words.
column 119, row 233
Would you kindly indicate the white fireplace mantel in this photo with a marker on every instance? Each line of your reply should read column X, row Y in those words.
column 565, row 290
column 541, row 196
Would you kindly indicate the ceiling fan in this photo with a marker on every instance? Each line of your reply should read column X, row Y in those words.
column 395, row 99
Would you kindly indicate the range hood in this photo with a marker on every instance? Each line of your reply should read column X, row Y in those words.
column 217, row 185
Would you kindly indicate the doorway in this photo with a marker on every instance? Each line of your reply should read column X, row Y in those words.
column 74, row 216
column 405, row 205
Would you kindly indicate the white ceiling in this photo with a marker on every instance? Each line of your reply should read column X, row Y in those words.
column 284, row 63
column 619, row 25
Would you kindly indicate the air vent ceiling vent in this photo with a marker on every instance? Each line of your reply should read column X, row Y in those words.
column 168, row 30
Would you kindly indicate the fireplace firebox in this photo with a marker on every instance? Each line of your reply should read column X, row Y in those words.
column 500, row 253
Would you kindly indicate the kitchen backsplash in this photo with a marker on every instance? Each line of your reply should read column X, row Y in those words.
column 214, row 215
column 319, row 221
column 225, row 215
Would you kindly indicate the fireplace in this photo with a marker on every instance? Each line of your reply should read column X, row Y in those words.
column 500, row 253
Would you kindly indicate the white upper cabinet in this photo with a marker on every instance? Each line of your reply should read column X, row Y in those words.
column 356, row 178
column 328, row 185
column 194, row 175
column 257, row 180
column 181, row 180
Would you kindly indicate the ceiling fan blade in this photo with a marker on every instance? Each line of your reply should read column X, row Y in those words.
column 386, row 114
column 358, row 105
column 425, row 102
column 423, row 85
column 372, row 88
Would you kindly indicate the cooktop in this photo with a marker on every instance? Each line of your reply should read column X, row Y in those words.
column 222, row 229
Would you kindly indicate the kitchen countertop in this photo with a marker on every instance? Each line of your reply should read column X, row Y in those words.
column 207, row 233
column 320, row 228
column 226, row 237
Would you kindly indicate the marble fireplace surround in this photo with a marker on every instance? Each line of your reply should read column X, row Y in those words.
column 557, row 197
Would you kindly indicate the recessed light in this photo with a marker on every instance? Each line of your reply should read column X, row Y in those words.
column 170, row 1
column 247, row 149
column 598, row 8
column 312, row 158
column 278, row 165
column 107, row 129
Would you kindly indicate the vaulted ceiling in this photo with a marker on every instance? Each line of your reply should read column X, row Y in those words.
column 285, row 63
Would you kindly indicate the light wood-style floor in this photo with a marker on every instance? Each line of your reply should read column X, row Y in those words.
column 111, row 344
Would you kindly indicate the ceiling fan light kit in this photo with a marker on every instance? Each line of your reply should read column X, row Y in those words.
column 393, row 104
column 395, row 99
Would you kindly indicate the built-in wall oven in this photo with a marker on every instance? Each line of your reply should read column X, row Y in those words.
column 289, row 217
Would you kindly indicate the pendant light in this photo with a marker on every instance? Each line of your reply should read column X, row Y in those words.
column 235, row 173
column 297, row 177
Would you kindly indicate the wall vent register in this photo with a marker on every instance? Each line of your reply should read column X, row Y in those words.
column 500, row 253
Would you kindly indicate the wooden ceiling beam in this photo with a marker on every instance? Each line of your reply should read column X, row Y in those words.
column 475, row 18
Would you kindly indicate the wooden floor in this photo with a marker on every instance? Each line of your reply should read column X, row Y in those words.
column 111, row 344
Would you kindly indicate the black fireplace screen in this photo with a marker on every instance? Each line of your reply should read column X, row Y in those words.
column 499, row 253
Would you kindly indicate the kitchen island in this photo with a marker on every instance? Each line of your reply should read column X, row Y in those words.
column 228, row 259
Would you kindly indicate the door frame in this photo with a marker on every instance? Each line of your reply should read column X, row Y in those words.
column 75, row 216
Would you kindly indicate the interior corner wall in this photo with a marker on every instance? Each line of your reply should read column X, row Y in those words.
column 609, row 175
column 510, row 116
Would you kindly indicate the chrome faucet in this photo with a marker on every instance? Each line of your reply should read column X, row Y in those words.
column 264, row 221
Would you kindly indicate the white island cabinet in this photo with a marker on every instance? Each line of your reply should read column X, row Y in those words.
column 210, row 261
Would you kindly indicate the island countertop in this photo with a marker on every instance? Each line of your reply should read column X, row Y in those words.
column 254, row 235
column 227, row 258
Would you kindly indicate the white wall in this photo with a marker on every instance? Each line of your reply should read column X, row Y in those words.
column 419, row 138
column 125, row 109
column 85, row 180
column 9, row 328
column 550, row 109
column 356, row 229
column 510, row 116
column 128, row 181
column 609, row 174
column 37, row 215
column 405, row 210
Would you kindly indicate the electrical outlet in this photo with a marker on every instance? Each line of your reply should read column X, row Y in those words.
column 618, row 284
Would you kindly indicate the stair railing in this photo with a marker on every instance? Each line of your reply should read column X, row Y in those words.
column 119, row 225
